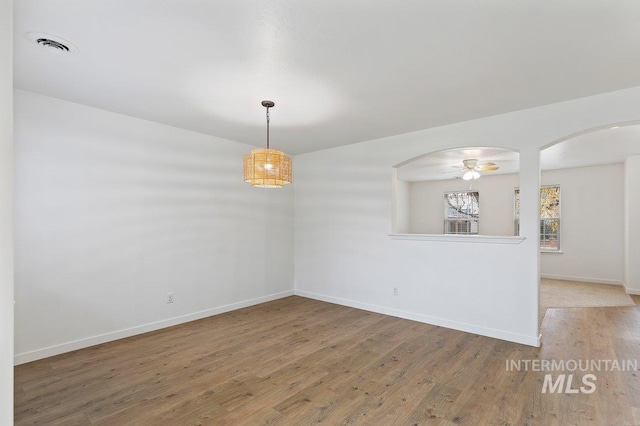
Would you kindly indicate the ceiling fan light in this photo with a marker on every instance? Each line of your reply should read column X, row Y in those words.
column 471, row 174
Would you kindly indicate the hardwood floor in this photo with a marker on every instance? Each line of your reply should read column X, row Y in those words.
column 298, row 361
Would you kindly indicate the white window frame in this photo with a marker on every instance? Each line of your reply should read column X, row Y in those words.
column 558, row 219
column 469, row 225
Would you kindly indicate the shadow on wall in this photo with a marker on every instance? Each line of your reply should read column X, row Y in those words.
column 467, row 190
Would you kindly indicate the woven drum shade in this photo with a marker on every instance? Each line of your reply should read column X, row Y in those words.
column 267, row 168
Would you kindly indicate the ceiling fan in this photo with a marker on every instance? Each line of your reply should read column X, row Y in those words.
column 472, row 169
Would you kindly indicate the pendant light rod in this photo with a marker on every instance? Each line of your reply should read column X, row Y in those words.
column 267, row 105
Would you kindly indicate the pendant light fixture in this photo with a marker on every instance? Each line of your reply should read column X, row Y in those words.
column 267, row 168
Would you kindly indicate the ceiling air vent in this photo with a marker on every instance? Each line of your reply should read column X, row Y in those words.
column 52, row 42
column 47, row 42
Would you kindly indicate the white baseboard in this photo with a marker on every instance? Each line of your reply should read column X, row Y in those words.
column 469, row 328
column 581, row 279
column 632, row 291
column 37, row 354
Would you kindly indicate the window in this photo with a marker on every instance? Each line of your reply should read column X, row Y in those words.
column 549, row 217
column 461, row 212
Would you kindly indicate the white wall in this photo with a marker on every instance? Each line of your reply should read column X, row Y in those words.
column 496, row 204
column 113, row 212
column 342, row 221
column 586, row 256
column 402, row 208
column 632, row 231
column 6, row 246
column 592, row 225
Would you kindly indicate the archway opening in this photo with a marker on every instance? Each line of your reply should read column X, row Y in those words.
column 597, row 176
column 469, row 190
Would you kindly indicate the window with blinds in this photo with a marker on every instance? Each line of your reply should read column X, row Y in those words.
column 461, row 212
column 549, row 217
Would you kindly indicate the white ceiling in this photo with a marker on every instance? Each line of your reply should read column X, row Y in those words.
column 445, row 165
column 339, row 71
column 607, row 146
column 596, row 148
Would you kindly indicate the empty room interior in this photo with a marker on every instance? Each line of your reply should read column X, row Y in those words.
column 327, row 212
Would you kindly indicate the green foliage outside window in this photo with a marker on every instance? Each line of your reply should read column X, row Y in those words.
column 549, row 217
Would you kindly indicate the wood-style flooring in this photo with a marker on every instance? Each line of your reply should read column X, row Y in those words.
column 297, row 361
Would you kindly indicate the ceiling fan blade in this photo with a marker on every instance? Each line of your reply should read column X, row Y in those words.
column 488, row 167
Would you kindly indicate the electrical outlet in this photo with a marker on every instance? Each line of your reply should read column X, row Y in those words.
column 169, row 297
column 395, row 291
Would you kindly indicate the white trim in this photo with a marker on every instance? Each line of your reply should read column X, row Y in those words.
column 581, row 279
column 455, row 325
column 140, row 329
column 487, row 239
column 632, row 291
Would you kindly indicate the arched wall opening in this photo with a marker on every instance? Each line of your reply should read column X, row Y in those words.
column 598, row 173
column 432, row 196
